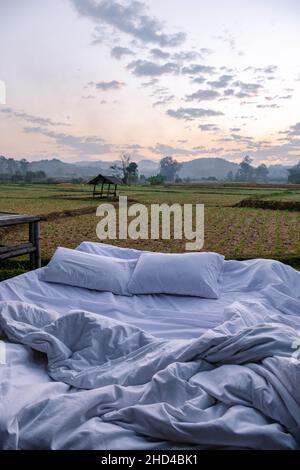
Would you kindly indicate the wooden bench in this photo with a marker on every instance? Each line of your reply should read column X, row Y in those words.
column 32, row 247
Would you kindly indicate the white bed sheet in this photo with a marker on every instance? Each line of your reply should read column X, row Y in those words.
column 260, row 281
column 24, row 378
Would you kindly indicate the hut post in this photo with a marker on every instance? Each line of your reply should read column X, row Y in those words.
column 109, row 185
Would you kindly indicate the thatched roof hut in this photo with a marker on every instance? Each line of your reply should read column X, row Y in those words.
column 109, row 185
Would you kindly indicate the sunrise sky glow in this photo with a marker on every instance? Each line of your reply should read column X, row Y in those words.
column 89, row 79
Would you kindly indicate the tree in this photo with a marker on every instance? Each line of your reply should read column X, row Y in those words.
column 294, row 174
column 2, row 165
column 169, row 167
column 143, row 179
column 41, row 175
column 116, row 171
column 230, row 176
column 121, row 169
column 29, row 176
column 23, row 166
column 132, row 172
column 11, row 166
column 156, row 180
column 246, row 171
column 210, row 178
column 17, row 177
column 261, row 173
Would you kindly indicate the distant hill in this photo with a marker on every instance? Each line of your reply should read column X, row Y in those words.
column 278, row 172
column 194, row 169
column 58, row 169
column 146, row 167
column 206, row 167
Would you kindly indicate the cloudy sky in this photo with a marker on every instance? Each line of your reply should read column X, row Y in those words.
column 90, row 79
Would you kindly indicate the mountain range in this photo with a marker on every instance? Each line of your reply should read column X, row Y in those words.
column 194, row 169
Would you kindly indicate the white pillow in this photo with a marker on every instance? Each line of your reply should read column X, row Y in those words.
column 194, row 274
column 112, row 251
column 89, row 271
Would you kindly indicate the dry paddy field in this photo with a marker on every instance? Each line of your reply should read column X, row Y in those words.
column 68, row 217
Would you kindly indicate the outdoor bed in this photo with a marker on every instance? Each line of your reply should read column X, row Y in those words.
column 176, row 361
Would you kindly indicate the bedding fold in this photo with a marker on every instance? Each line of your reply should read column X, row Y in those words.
column 235, row 385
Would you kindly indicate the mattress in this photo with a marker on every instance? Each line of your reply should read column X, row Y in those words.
column 265, row 287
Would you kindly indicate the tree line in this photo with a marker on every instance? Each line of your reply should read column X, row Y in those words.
column 18, row 171
column 247, row 173
column 127, row 170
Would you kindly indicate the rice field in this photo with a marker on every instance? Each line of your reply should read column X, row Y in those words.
column 237, row 232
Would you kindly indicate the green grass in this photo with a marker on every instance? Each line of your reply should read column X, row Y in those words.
column 238, row 232
column 43, row 199
column 288, row 195
column 15, row 267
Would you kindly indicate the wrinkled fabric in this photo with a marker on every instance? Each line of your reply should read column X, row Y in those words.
column 228, row 404
column 236, row 385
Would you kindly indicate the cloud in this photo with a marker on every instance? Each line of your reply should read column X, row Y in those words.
column 150, row 83
column 198, row 68
column 41, row 121
column 271, row 106
column 187, row 56
column 271, row 98
column 266, row 151
column 240, row 138
column 159, row 54
column 203, row 95
column 164, row 100
column 229, row 92
column 264, row 73
column 293, row 131
column 132, row 18
column 206, row 51
column 132, row 147
column 188, row 114
column 106, row 86
column 286, row 97
column 162, row 96
column 147, row 68
column 247, row 141
column 199, row 80
column 90, row 145
column 162, row 149
column 227, row 38
column 208, row 127
column 221, row 82
column 247, row 90
column 268, row 70
column 118, row 52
